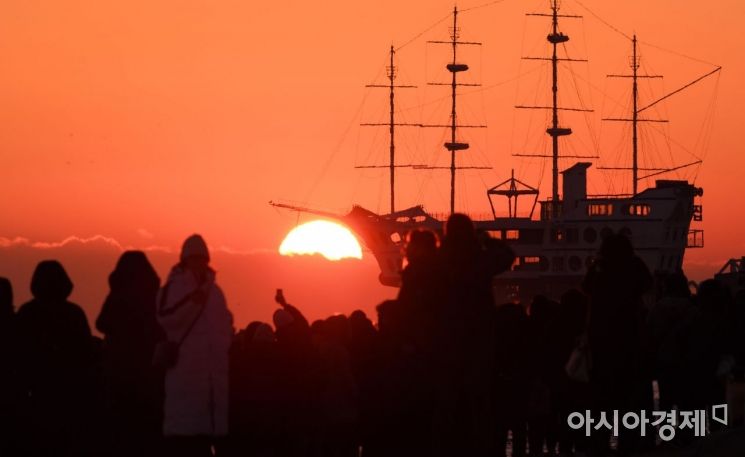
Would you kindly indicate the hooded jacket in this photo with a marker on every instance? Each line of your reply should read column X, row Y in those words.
column 196, row 388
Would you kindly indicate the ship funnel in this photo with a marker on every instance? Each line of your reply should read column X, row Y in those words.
column 575, row 184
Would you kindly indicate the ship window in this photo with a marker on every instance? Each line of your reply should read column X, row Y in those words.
column 599, row 209
column 512, row 234
column 590, row 235
column 528, row 263
column 558, row 235
column 638, row 209
column 558, row 264
column 575, row 263
column 529, row 236
column 419, row 218
column 496, row 234
column 395, row 237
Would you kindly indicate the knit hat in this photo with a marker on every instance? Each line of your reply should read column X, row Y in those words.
column 194, row 246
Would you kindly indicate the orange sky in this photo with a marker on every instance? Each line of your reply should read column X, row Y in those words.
column 146, row 121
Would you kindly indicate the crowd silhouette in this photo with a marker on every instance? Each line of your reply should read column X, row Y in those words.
column 444, row 370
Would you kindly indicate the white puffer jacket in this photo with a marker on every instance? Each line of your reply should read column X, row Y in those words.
column 196, row 388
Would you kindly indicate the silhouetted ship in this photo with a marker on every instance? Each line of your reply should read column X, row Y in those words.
column 555, row 248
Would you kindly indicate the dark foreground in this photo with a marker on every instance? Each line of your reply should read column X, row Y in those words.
column 444, row 370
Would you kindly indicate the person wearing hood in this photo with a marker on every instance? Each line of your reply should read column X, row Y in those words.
column 54, row 354
column 615, row 284
column 463, row 418
column 298, row 379
column 133, row 387
column 199, row 328
column 8, row 393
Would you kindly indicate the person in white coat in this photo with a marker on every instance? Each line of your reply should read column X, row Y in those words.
column 194, row 315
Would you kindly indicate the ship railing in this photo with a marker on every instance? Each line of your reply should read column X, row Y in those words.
column 695, row 238
column 474, row 216
column 698, row 213
column 551, row 209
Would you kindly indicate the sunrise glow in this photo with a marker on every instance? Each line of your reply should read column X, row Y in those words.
column 331, row 240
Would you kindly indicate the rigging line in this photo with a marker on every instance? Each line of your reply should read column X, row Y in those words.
column 517, row 89
column 677, row 53
column 418, row 35
column 590, row 124
column 603, row 93
column 357, row 115
column 703, row 127
column 582, row 103
column 335, row 150
column 654, row 127
column 606, row 23
column 476, row 91
column 708, row 126
column 682, row 88
column 481, row 6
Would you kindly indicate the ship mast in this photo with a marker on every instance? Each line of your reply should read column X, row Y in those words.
column 555, row 38
column 391, row 74
column 634, row 64
column 555, row 131
column 454, row 68
column 634, row 119
column 453, row 145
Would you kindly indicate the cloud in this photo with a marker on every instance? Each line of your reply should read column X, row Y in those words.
column 76, row 239
column 229, row 250
column 145, row 233
column 17, row 241
column 20, row 241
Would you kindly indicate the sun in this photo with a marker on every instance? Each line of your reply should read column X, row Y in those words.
column 331, row 240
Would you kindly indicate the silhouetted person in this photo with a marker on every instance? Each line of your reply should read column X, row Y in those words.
column 254, row 392
column 366, row 359
column 133, row 386
column 738, row 332
column 193, row 313
column 470, row 260
column 410, row 330
column 615, row 283
column 707, row 347
column 422, row 279
column 547, row 370
column 570, row 395
column 666, row 325
column 54, row 363
column 338, row 413
column 8, row 385
column 299, row 380
column 6, row 303
column 512, row 359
